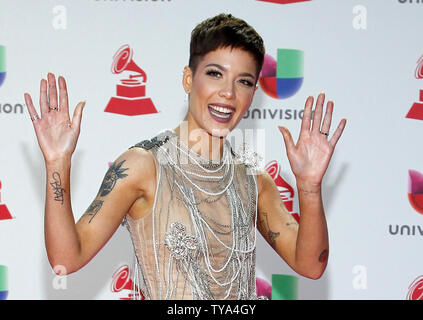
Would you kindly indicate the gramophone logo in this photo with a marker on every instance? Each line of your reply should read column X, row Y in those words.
column 121, row 282
column 130, row 96
column 415, row 290
column 283, row 77
column 4, row 212
column 2, row 64
column 416, row 111
column 285, row 190
column 415, row 190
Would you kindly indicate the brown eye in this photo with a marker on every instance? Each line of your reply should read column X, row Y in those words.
column 246, row 82
column 214, row 73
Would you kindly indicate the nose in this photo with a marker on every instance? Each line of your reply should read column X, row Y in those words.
column 227, row 91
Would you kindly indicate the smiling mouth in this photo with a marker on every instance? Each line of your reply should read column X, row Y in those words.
column 220, row 112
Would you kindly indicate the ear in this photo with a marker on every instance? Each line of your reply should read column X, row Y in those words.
column 187, row 79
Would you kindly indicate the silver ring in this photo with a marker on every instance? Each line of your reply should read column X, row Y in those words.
column 34, row 117
column 325, row 133
column 54, row 108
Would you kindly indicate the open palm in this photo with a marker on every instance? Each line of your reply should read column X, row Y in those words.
column 310, row 157
column 57, row 135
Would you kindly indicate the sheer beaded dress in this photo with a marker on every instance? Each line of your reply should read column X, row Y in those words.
column 199, row 240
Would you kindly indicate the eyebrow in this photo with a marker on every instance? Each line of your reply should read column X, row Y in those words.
column 244, row 74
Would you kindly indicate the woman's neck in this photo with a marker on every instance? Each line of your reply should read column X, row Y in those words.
column 200, row 141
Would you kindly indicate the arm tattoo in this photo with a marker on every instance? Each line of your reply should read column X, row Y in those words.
column 94, row 208
column 291, row 221
column 324, row 256
column 270, row 234
column 57, row 187
column 114, row 173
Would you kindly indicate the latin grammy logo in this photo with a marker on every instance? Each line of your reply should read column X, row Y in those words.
column 4, row 212
column 416, row 111
column 130, row 96
column 285, row 190
column 122, row 281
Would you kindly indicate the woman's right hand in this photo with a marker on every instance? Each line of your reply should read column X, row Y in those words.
column 57, row 135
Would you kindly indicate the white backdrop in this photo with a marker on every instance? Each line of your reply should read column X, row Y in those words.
column 363, row 54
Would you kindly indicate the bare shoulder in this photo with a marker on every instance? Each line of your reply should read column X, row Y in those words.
column 140, row 163
column 264, row 181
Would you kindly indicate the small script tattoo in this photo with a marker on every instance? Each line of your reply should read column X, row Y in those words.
column 94, row 208
column 324, row 256
column 291, row 221
column 57, row 187
column 270, row 234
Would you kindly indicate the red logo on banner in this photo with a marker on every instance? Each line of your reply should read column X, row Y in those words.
column 415, row 290
column 415, row 190
column 283, row 1
column 416, row 110
column 130, row 96
column 285, row 190
column 4, row 212
column 122, row 281
column 419, row 69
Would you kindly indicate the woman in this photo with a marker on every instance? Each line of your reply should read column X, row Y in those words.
column 192, row 207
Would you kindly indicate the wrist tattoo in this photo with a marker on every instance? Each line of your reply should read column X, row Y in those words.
column 308, row 191
column 57, row 187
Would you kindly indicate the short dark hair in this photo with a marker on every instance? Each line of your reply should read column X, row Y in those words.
column 221, row 31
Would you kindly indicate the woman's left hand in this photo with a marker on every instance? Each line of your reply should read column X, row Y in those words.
column 310, row 157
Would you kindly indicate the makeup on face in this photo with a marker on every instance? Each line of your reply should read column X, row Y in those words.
column 223, row 88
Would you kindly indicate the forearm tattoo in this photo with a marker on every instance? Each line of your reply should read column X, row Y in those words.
column 56, row 184
column 291, row 221
column 115, row 172
column 270, row 234
column 324, row 256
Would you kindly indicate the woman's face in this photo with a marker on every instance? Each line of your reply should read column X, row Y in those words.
column 221, row 90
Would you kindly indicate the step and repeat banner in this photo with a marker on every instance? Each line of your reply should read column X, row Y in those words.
column 126, row 59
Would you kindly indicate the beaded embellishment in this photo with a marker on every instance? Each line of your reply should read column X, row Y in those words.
column 178, row 242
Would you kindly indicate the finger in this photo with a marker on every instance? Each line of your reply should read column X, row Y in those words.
column 289, row 142
column 77, row 115
column 306, row 122
column 31, row 109
column 43, row 97
column 328, row 117
column 338, row 132
column 63, row 96
column 318, row 111
column 52, row 91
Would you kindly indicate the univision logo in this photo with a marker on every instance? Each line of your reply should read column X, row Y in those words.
column 3, row 283
column 415, row 190
column 283, row 77
column 2, row 64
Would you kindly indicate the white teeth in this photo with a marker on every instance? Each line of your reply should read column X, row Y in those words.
column 226, row 116
column 220, row 109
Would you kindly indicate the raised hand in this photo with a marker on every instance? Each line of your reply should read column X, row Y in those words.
column 57, row 135
column 310, row 157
